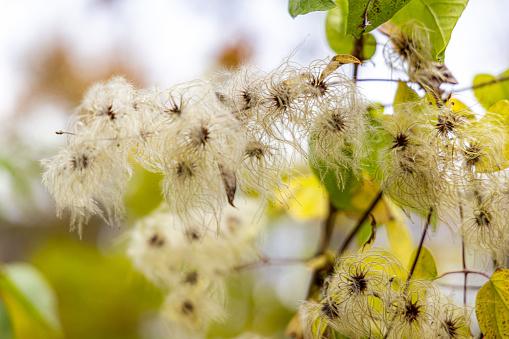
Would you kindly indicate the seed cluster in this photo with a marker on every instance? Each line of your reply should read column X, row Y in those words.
column 240, row 133
column 368, row 297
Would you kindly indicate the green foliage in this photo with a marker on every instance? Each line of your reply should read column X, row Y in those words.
column 488, row 95
column 492, row 306
column 366, row 15
column 426, row 268
column 379, row 138
column 340, row 194
column 367, row 235
column 29, row 301
column 438, row 16
column 99, row 295
column 251, row 307
column 296, row 7
column 339, row 41
column 5, row 322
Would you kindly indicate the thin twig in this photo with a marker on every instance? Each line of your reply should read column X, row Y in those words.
column 382, row 80
column 359, row 223
column 464, row 263
column 464, row 272
column 458, row 286
column 263, row 261
column 421, row 242
column 497, row 79
column 327, row 229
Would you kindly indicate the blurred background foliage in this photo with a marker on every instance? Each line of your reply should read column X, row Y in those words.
column 54, row 286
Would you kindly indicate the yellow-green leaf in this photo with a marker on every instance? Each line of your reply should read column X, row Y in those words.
column 339, row 41
column 438, row 16
column 501, row 111
column 492, row 306
column 488, row 95
column 30, row 302
column 426, row 268
column 144, row 191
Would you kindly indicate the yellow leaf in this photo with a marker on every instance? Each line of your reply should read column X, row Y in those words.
column 426, row 267
column 459, row 107
column 309, row 201
column 492, row 306
column 294, row 328
column 364, row 196
column 400, row 242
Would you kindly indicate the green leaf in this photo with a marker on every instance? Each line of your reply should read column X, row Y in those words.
column 340, row 193
column 5, row 323
column 426, row 268
column 488, row 95
column 438, row 16
column 339, row 197
column 296, row 7
column 492, row 306
column 366, row 15
column 367, row 235
column 30, row 301
column 335, row 28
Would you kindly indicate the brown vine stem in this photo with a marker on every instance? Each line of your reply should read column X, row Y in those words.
column 326, row 235
column 263, row 261
column 421, row 243
column 359, row 223
column 327, row 228
column 464, row 272
column 358, row 52
column 497, row 79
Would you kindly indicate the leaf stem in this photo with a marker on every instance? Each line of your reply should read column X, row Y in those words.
column 359, row 223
